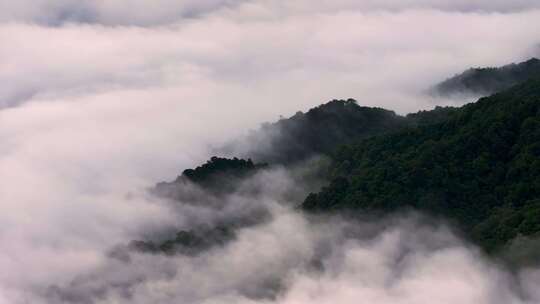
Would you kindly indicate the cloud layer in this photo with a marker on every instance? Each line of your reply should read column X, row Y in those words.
column 160, row 12
column 101, row 99
column 265, row 54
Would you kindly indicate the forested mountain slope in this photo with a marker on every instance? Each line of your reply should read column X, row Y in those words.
column 486, row 81
column 478, row 165
column 217, row 175
column 322, row 129
column 481, row 168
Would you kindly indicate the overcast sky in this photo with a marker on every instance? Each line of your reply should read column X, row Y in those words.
column 101, row 98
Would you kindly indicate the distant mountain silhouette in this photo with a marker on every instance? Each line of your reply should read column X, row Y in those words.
column 486, row 81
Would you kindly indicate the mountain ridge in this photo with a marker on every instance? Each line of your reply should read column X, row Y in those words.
column 487, row 81
column 480, row 167
column 477, row 165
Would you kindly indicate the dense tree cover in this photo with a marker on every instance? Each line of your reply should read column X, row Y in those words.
column 486, row 81
column 207, row 186
column 439, row 114
column 480, row 167
column 217, row 167
column 188, row 242
column 321, row 129
column 318, row 131
column 477, row 165
column 218, row 175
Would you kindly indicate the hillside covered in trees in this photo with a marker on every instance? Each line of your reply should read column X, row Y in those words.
column 486, row 81
column 218, row 175
column 321, row 129
column 478, row 165
column 481, row 168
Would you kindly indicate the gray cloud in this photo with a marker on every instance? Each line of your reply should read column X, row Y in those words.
column 159, row 12
column 114, row 97
column 115, row 12
column 292, row 260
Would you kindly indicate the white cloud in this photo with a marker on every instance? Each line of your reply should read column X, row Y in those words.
column 304, row 59
column 407, row 262
column 115, row 97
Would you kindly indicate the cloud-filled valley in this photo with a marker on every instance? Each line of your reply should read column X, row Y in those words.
column 101, row 100
column 291, row 258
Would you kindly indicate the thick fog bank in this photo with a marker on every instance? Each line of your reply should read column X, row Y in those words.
column 100, row 100
column 283, row 256
column 293, row 260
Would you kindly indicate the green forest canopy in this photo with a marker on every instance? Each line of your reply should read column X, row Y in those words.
column 481, row 167
column 478, row 165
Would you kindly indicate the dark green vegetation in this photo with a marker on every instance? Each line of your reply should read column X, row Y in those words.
column 439, row 114
column 218, row 175
column 319, row 130
column 216, row 168
column 206, row 186
column 323, row 128
column 296, row 139
column 479, row 167
column 486, row 81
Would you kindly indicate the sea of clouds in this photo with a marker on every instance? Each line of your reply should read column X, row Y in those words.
column 99, row 100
